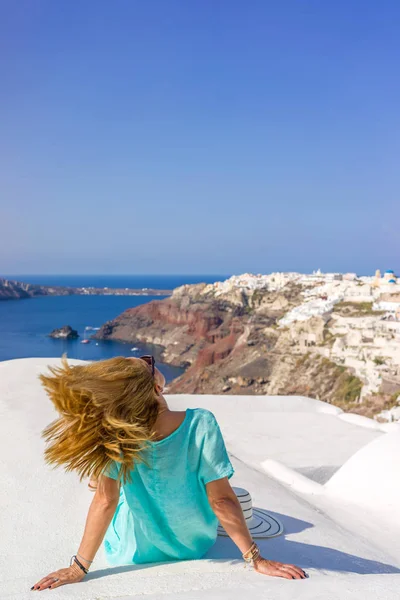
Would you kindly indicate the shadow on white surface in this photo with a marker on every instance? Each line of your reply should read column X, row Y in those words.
column 304, row 555
column 308, row 556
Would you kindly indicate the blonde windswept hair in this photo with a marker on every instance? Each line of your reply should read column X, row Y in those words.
column 107, row 411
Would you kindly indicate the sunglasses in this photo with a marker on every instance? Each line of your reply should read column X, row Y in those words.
column 148, row 359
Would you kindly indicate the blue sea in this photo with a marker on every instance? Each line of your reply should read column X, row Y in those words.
column 25, row 324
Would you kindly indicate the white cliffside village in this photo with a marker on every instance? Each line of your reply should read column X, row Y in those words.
column 361, row 316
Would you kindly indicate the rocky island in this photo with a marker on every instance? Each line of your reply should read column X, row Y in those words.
column 64, row 333
column 16, row 290
column 326, row 336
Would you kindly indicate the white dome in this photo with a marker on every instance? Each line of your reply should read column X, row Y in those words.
column 370, row 477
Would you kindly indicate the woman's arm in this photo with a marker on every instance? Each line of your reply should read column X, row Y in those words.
column 99, row 517
column 227, row 508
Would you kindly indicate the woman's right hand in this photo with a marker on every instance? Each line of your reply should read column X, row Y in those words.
column 277, row 569
column 61, row 577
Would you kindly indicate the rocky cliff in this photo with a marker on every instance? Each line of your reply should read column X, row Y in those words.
column 231, row 339
column 231, row 343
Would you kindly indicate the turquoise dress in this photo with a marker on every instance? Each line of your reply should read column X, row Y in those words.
column 163, row 514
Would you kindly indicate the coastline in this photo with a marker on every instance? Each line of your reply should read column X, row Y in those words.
column 24, row 326
column 16, row 290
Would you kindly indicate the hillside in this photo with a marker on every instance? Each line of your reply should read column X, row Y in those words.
column 244, row 340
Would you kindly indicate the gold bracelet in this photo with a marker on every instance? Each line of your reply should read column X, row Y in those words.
column 252, row 554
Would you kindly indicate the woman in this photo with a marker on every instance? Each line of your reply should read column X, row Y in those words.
column 162, row 475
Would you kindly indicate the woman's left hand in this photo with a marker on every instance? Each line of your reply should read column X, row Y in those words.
column 60, row 577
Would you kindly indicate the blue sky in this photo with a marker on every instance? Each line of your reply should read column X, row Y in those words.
column 201, row 136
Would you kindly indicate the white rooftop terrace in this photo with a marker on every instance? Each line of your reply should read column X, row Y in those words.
column 350, row 548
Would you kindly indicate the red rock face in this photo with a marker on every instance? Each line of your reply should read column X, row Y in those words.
column 197, row 319
column 167, row 312
column 192, row 332
column 215, row 352
column 220, row 345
